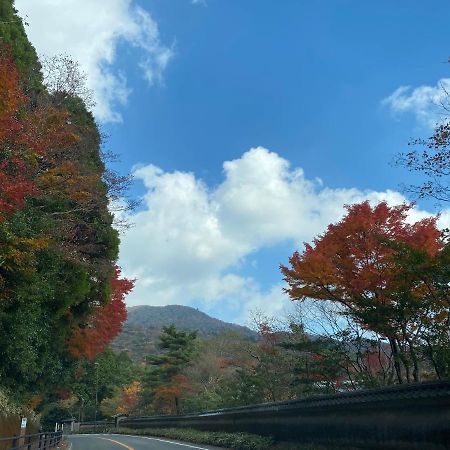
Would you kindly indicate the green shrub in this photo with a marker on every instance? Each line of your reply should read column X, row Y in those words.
column 237, row 441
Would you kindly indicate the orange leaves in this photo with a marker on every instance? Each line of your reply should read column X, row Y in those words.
column 105, row 324
column 26, row 136
column 129, row 398
column 11, row 96
column 48, row 129
column 16, row 258
column 35, row 401
column 65, row 180
column 167, row 396
column 124, row 401
column 354, row 260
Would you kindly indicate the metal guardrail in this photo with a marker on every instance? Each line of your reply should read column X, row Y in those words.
column 39, row 441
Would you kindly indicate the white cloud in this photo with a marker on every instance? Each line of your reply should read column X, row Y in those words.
column 190, row 241
column 425, row 102
column 90, row 32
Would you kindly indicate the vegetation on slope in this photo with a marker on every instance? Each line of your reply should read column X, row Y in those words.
column 144, row 324
column 62, row 296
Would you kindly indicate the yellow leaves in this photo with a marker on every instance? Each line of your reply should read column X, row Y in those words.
column 124, row 401
column 19, row 255
column 65, row 180
column 133, row 389
column 35, row 243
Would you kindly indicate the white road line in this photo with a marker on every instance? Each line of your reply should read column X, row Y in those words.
column 160, row 440
column 143, row 437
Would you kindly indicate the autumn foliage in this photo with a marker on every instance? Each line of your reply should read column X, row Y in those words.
column 382, row 270
column 355, row 259
column 17, row 156
column 61, row 293
column 105, row 323
column 125, row 400
column 28, row 135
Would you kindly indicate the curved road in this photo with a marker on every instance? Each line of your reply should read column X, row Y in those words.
column 128, row 442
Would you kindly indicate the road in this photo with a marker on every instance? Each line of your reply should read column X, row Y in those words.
column 120, row 442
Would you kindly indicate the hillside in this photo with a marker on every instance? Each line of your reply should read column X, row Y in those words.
column 143, row 326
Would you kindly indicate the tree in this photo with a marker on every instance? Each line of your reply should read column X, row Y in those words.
column 432, row 161
column 272, row 369
column 319, row 365
column 217, row 361
column 105, row 323
column 286, row 363
column 363, row 356
column 164, row 383
column 109, row 372
column 12, row 33
column 359, row 264
column 59, row 284
column 124, row 401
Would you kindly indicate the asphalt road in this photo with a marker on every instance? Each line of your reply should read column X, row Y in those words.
column 120, row 442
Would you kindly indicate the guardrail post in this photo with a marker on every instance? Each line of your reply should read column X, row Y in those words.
column 14, row 441
column 29, row 443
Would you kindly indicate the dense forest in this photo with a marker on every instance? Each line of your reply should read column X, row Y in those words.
column 62, row 295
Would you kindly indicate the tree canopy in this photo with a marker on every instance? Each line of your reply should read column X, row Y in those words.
column 386, row 273
column 62, row 296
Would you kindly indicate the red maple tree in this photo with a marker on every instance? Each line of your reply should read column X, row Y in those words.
column 357, row 263
column 105, row 324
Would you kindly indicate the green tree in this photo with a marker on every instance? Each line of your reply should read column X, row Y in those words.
column 163, row 383
column 107, row 373
column 58, row 246
column 214, row 370
column 319, row 362
column 12, row 33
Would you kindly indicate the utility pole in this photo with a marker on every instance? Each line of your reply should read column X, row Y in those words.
column 96, row 395
column 81, row 412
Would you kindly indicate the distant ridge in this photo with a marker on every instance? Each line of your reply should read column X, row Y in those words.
column 183, row 317
column 143, row 327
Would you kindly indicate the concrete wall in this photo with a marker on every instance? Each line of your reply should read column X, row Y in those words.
column 415, row 416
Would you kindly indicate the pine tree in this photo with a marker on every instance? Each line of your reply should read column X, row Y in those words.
column 164, row 383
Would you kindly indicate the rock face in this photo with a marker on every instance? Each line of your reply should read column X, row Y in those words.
column 143, row 326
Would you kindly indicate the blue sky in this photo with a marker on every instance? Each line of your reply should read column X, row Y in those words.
column 305, row 79
column 249, row 123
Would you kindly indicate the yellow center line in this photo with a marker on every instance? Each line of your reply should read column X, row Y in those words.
column 117, row 442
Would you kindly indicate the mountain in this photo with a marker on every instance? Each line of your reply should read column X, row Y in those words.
column 142, row 329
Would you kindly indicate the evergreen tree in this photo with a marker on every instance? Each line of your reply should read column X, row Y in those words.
column 164, row 384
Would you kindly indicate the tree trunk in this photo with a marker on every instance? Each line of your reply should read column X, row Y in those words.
column 433, row 360
column 398, row 368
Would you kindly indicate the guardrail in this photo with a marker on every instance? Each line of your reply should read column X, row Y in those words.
column 40, row 441
column 414, row 416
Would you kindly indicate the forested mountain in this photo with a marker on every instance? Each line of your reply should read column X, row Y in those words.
column 143, row 327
